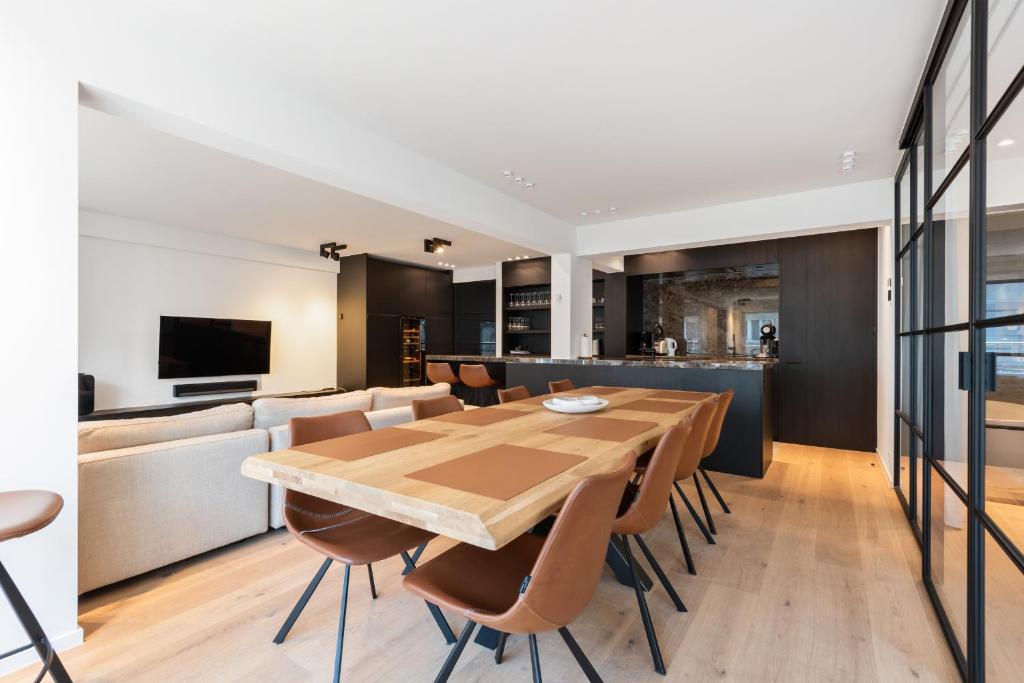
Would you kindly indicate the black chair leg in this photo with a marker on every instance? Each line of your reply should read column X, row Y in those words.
column 666, row 584
column 499, row 650
column 341, row 626
column 373, row 586
column 693, row 513
column 453, row 656
column 714, row 490
column 534, row 659
column 690, row 567
column 301, row 604
column 581, row 658
column 41, row 643
column 435, row 611
column 645, row 614
column 704, row 504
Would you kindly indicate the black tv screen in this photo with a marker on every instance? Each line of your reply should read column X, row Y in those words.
column 213, row 347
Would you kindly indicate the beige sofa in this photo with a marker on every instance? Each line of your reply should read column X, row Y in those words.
column 153, row 491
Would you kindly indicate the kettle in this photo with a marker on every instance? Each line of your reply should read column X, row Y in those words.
column 667, row 346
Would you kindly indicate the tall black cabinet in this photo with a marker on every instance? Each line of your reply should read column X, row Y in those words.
column 373, row 296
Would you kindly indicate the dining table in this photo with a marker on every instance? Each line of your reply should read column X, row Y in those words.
column 482, row 476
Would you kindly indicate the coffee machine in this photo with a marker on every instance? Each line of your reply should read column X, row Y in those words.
column 769, row 344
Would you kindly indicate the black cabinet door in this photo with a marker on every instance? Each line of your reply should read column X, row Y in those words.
column 383, row 351
column 827, row 340
column 440, row 293
column 383, row 287
column 439, row 335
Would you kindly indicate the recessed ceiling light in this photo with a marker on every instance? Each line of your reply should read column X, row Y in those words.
column 597, row 212
column 613, row 209
column 507, row 174
column 1005, row 142
column 849, row 154
column 440, row 263
column 583, row 213
column 526, row 256
column 530, row 186
column 519, row 179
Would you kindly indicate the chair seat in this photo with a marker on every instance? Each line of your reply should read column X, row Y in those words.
column 25, row 512
column 475, row 582
column 361, row 538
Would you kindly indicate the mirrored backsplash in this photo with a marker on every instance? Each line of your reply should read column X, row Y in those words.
column 717, row 312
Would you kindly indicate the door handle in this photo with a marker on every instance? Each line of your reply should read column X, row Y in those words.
column 792, row 362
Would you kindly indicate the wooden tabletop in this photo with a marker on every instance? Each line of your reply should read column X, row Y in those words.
column 378, row 484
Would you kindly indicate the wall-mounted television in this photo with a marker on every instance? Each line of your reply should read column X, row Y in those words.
column 213, row 347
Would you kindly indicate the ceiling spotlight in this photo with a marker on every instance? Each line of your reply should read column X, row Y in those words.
column 849, row 154
column 613, row 209
column 440, row 263
column 330, row 250
column 530, row 186
column 583, row 213
column 597, row 212
column 435, row 245
column 507, row 174
column 1005, row 142
column 519, row 179
column 525, row 256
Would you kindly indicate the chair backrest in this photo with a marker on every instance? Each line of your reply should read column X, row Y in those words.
column 474, row 375
column 441, row 372
column 703, row 415
column 715, row 431
column 512, row 394
column 560, row 386
column 647, row 508
column 423, row 409
column 301, row 509
column 569, row 566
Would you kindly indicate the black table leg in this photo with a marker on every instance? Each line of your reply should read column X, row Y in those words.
column 487, row 637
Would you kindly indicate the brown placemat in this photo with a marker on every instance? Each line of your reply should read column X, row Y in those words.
column 364, row 444
column 501, row 472
column 534, row 400
column 598, row 391
column 670, row 395
column 656, row 406
column 480, row 417
column 604, row 428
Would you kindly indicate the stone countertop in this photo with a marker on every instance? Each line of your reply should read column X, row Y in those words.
column 679, row 362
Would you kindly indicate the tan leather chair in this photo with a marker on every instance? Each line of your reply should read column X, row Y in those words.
column 560, row 386
column 342, row 533
column 23, row 513
column 425, row 408
column 533, row 584
column 710, row 444
column 476, row 377
column 512, row 394
column 702, row 417
column 642, row 508
column 441, row 372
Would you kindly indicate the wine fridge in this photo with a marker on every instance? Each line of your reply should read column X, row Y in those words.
column 414, row 346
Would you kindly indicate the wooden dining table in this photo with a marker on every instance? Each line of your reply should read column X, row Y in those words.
column 398, row 483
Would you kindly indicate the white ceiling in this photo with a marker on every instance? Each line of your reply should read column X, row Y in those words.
column 647, row 106
column 129, row 170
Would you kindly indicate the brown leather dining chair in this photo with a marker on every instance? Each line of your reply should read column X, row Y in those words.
column 512, row 394
column 641, row 511
column 476, row 377
column 710, row 444
column 533, row 584
column 425, row 408
column 23, row 513
column 344, row 534
column 561, row 385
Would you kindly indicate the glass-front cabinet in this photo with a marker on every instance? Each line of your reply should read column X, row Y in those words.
column 958, row 451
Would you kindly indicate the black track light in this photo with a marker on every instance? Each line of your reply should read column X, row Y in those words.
column 435, row 245
column 330, row 250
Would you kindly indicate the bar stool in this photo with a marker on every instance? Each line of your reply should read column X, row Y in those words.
column 23, row 513
column 475, row 377
column 425, row 408
column 512, row 394
column 560, row 386
column 345, row 534
column 710, row 444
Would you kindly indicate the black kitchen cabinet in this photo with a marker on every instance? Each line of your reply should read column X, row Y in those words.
column 383, row 351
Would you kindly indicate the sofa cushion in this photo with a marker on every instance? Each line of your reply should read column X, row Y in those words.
column 271, row 412
column 105, row 435
column 385, row 397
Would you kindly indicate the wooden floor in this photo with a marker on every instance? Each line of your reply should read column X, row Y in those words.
column 814, row 578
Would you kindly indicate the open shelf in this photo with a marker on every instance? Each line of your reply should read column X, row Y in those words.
column 538, row 307
column 527, row 331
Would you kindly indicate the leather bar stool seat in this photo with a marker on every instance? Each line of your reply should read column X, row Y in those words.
column 561, row 385
column 23, row 513
column 532, row 584
column 441, row 372
column 426, row 408
column 476, row 377
column 512, row 394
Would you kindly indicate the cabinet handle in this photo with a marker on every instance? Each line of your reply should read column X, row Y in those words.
column 792, row 362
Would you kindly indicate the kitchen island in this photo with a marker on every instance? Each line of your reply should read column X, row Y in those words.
column 745, row 447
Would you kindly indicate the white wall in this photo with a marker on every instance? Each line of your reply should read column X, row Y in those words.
column 885, row 401
column 131, row 273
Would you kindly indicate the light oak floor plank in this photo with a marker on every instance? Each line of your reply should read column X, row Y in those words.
column 815, row 577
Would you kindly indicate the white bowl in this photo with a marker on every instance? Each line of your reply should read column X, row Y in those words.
column 573, row 407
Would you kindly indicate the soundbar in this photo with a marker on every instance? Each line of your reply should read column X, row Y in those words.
column 208, row 388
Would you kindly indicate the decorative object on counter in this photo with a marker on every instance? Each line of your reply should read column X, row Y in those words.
column 769, row 344
column 575, row 404
column 667, row 347
column 595, row 348
column 585, row 348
